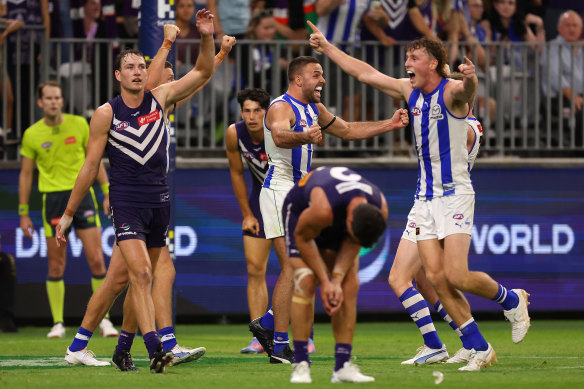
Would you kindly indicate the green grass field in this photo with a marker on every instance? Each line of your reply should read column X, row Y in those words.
column 551, row 356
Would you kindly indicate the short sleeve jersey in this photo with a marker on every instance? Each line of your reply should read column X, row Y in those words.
column 59, row 151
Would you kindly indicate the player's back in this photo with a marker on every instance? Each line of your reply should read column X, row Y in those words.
column 288, row 166
column 138, row 153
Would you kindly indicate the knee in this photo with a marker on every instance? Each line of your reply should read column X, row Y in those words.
column 304, row 283
column 255, row 270
column 397, row 282
column 457, row 278
column 142, row 277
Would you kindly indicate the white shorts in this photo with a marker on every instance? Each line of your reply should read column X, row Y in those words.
column 271, row 202
column 410, row 230
column 443, row 216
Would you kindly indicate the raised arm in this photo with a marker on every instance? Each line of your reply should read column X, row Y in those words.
column 156, row 68
column 280, row 118
column 250, row 223
column 360, row 70
column 359, row 130
column 174, row 92
column 98, row 133
column 461, row 93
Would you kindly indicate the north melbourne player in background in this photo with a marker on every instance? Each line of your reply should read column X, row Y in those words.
column 57, row 143
column 159, row 72
column 445, row 197
column 133, row 129
column 328, row 216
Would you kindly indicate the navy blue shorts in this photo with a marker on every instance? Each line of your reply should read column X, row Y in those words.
column 147, row 224
column 254, row 205
column 329, row 238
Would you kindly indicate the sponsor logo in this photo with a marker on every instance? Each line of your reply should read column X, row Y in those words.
column 126, row 233
column 303, row 123
column 125, row 226
column 164, row 197
column 480, row 127
column 122, row 126
column 412, row 225
column 88, row 213
column 458, row 216
column 46, row 145
column 448, row 187
column 55, row 221
column 151, row 117
column 263, row 157
column 416, row 111
column 71, row 140
column 436, row 112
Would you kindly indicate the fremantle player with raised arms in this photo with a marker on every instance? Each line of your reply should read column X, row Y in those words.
column 328, row 216
column 131, row 127
column 292, row 124
column 445, row 197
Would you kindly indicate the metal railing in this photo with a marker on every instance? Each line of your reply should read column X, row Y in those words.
column 518, row 117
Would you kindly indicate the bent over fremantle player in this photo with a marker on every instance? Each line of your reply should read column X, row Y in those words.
column 133, row 129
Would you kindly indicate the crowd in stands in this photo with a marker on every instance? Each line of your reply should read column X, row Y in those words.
column 469, row 26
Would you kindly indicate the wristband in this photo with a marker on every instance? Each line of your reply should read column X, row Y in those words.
column 339, row 276
column 105, row 188
column 69, row 212
column 23, row 209
column 167, row 44
column 330, row 123
column 221, row 55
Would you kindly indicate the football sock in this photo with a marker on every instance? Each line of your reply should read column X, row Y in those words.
column 471, row 330
column 168, row 339
column 80, row 340
column 442, row 312
column 300, row 351
column 312, row 333
column 151, row 341
column 267, row 321
column 418, row 310
column 96, row 281
column 342, row 354
column 56, row 293
column 507, row 298
column 125, row 341
column 280, row 341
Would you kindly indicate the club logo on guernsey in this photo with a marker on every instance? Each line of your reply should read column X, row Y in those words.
column 151, row 117
column 436, row 112
column 416, row 111
column 122, row 126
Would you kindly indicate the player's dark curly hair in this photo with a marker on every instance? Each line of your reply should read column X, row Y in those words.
column 434, row 49
column 258, row 95
column 124, row 54
column 296, row 65
column 368, row 224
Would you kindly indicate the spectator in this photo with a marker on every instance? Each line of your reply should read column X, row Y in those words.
column 127, row 18
column 6, row 26
column 510, row 24
column 565, row 81
column 231, row 17
column 262, row 26
column 185, row 9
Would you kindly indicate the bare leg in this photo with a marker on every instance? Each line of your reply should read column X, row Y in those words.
column 282, row 296
column 257, row 252
column 91, row 239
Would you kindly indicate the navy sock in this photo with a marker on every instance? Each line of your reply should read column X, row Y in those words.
column 280, row 341
column 444, row 315
column 312, row 333
column 267, row 321
column 125, row 341
column 81, row 339
column 418, row 310
column 342, row 354
column 470, row 329
column 507, row 298
column 167, row 337
column 152, row 342
column 300, row 351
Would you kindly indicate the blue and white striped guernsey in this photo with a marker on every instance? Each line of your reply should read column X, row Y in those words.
column 343, row 24
column 288, row 166
column 441, row 146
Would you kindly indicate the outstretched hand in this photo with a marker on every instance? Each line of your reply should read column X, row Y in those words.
column 467, row 69
column 400, row 118
column 204, row 19
column 227, row 43
column 317, row 39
